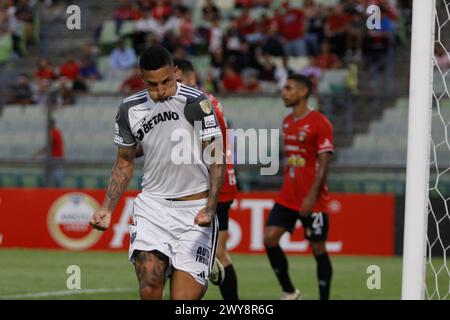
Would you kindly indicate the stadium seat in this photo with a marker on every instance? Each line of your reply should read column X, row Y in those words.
column 6, row 48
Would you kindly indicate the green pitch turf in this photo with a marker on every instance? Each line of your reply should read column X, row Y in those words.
column 39, row 274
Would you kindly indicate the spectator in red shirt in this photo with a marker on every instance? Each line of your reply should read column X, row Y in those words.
column 253, row 85
column 232, row 81
column 187, row 31
column 133, row 83
column 69, row 69
column 326, row 59
column 56, row 155
column 337, row 28
column 126, row 11
column 292, row 27
column 245, row 22
column 45, row 70
column 161, row 10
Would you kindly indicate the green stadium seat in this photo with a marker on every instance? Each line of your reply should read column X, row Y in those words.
column 6, row 48
column 108, row 34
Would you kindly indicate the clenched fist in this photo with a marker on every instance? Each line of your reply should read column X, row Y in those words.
column 101, row 219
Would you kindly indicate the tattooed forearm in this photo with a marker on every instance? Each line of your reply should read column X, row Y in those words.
column 120, row 177
column 216, row 175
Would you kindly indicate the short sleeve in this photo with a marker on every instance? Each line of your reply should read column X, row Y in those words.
column 325, row 141
column 200, row 113
column 123, row 137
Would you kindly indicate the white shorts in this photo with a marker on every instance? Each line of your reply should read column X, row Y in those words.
column 168, row 227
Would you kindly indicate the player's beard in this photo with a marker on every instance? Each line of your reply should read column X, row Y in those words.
column 290, row 104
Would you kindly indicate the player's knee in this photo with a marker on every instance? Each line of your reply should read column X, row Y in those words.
column 270, row 239
column 189, row 294
column 318, row 247
column 148, row 291
column 222, row 255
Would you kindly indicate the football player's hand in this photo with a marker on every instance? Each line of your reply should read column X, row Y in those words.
column 204, row 217
column 307, row 205
column 101, row 219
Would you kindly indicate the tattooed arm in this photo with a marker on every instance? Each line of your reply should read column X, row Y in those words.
column 120, row 177
column 216, row 175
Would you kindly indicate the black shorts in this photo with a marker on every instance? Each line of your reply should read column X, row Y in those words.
column 222, row 214
column 315, row 225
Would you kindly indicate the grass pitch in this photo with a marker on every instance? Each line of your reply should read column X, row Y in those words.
column 41, row 274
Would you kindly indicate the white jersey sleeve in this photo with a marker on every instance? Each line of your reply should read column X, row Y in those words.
column 200, row 113
column 123, row 136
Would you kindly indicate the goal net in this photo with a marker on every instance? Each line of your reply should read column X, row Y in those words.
column 437, row 281
column 426, row 273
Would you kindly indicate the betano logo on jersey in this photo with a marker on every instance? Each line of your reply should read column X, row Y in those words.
column 68, row 221
column 155, row 120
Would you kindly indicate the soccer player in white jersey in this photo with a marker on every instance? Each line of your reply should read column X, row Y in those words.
column 175, row 224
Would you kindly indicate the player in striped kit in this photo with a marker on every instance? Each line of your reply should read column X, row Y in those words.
column 175, row 225
column 185, row 74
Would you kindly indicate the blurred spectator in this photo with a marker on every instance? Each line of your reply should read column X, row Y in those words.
column 56, row 155
column 442, row 59
column 267, row 72
column 161, row 10
column 336, row 29
column 175, row 21
column 145, row 5
column 122, row 59
column 232, row 81
column 4, row 23
column 378, row 45
column 133, row 83
column 215, row 36
column 313, row 72
column 45, row 70
column 21, row 92
column 282, row 72
column 179, row 53
column 25, row 14
column 187, row 30
column 232, row 40
column 245, row 59
column 147, row 30
column 252, row 3
column 326, row 59
column 14, row 27
column 62, row 95
column 314, row 26
column 90, row 52
column 88, row 70
column 70, row 68
column 273, row 44
column 245, row 23
column 355, row 32
column 210, row 11
column 210, row 84
column 42, row 95
column 292, row 27
column 253, row 85
column 126, row 11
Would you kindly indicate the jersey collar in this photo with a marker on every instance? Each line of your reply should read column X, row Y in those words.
column 303, row 116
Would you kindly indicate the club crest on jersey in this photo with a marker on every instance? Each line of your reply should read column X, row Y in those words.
column 206, row 106
column 302, row 136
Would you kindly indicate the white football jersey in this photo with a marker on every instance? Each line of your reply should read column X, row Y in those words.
column 160, row 127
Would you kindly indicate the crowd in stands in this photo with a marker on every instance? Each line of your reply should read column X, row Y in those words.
column 246, row 50
column 242, row 46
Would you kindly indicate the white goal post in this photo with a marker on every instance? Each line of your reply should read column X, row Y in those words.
column 418, row 156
